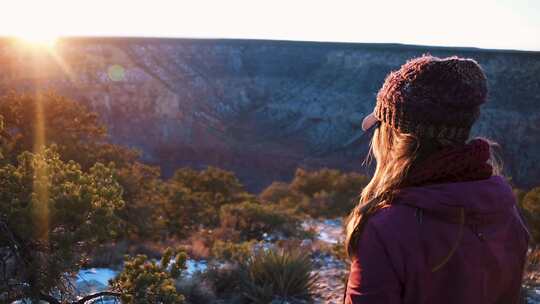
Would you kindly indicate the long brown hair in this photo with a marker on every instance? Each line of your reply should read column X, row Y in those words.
column 395, row 154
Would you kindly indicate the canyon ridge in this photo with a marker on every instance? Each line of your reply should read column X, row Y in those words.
column 262, row 108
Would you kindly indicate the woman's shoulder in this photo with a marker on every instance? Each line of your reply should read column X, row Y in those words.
column 391, row 231
column 394, row 222
column 392, row 214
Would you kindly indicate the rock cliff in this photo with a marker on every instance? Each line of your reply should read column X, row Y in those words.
column 262, row 108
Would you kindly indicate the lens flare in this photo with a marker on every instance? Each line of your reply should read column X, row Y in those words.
column 38, row 38
column 116, row 72
column 41, row 178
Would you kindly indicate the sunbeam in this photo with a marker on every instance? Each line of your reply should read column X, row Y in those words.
column 41, row 178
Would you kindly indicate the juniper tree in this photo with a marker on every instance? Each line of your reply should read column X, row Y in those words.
column 51, row 214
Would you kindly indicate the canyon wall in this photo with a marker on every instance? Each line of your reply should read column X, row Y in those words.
column 262, row 108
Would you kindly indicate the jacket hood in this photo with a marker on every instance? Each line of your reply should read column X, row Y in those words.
column 482, row 198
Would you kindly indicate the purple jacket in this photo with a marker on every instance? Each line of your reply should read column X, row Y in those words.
column 445, row 243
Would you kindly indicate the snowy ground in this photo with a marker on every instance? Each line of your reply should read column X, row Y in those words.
column 533, row 296
column 94, row 280
column 329, row 231
column 330, row 270
column 100, row 275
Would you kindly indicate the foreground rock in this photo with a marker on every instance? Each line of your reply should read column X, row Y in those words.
column 331, row 283
column 332, row 272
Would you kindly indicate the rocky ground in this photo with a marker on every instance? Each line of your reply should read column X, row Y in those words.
column 331, row 284
column 330, row 270
column 532, row 295
column 531, row 286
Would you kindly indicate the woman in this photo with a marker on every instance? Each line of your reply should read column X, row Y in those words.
column 436, row 223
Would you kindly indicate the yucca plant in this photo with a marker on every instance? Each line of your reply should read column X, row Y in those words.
column 278, row 274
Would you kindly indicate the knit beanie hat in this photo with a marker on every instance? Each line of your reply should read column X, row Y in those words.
column 432, row 97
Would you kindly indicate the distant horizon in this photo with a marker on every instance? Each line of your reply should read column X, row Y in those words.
column 486, row 24
column 111, row 37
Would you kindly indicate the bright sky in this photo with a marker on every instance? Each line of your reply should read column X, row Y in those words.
column 509, row 24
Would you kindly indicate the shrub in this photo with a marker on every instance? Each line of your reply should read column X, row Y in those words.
column 112, row 254
column 325, row 193
column 145, row 199
column 72, row 127
column 519, row 194
column 201, row 242
column 278, row 274
column 336, row 250
column 253, row 220
column 276, row 192
column 195, row 290
column 220, row 185
column 232, row 252
column 186, row 211
column 332, row 193
column 225, row 281
column 531, row 207
column 226, row 234
column 52, row 214
column 194, row 197
column 329, row 180
column 144, row 281
column 292, row 244
column 105, row 255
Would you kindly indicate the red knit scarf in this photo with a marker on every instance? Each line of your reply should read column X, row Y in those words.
column 462, row 163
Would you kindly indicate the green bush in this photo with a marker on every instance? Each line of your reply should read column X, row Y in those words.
column 196, row 290
column 276, row 192
column 336, row 250
column 185, row 211
column 52, row 214
column 325, row 193
column 79, row 135
column 253, row 220
column 72, row 127
column 329, row 180
column 293, row 244
column 145, row 200
column 225, row 281
column 278, row 274
column 531, row 206
column 144, row 281
column 194, row 197
column 232, row 252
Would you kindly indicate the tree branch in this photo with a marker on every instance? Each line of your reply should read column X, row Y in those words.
column 97, row 295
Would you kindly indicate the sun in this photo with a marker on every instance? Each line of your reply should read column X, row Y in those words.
column 38, row 38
